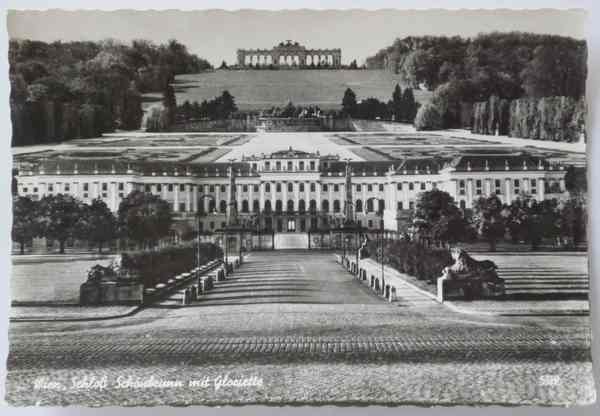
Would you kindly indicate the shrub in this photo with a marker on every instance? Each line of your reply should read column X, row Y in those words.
column 414, row 259
column 428, row 118
column 155, row 267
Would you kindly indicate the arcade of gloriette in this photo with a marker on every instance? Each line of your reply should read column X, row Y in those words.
column 289, row 55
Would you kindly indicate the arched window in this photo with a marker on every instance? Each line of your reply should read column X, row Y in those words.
column 268, row 207
column 290, row 206
column 212, row 206
column 290, row 187
column 358, row 205
column 245, row 205
column 312, row 206
column 369, row 205
column 267, row 187
column 325, row 205
column 278, row 206
column 381, row 205
column 223, row 206
column 336, row 205
column 301, row 205
column 255, row 206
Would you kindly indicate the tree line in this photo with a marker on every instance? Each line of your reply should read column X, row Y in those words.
column 66, row 90
column 142, row 218
column 402, row 107
column 437, row 218
column 462, row 71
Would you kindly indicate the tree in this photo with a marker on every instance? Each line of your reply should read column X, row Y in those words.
column 59, row 216
column 169, row 104
column 428, row 118
column 144, row 218
column 25, row 221
column 409, row 106
column 223, row 65
column 397, row 104
column 349, row 103
column 440, row 216
column 487, row 217
column 353, row 65
column 97, row 224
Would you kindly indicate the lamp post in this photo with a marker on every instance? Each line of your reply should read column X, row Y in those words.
column 201, row 197
column 379, row 213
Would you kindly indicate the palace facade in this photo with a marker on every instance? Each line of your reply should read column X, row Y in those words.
column 289, row 54
column 295, row 191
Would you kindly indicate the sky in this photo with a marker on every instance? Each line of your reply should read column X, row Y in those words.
column 217, row 34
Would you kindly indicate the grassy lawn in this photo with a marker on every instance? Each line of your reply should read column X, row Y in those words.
column 259, row 89
column 50, row 280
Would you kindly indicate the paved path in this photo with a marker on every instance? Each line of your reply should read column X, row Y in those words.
column 332, row 342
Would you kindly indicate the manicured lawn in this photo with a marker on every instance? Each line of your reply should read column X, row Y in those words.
column 50, row 279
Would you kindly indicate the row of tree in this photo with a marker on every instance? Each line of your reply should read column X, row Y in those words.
column 402, row 107
column 438, row 218
column 66, row 90
column 142, row 218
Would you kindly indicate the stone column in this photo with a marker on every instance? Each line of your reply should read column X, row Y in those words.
column 188, row 197
column 296, row 195
column 250, row 197
column 175, row 197
column 488, row 187
column 112, row 189
column 261, row 195
column 541, row 188
column 469, row 193
column 508, row 191
column 406, row 202
column 284, row 194
column 273, row 189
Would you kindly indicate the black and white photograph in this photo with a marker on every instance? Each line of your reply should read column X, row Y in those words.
column 298, row 207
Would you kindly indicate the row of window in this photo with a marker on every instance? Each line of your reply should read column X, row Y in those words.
column 312, row 206
column 497, row 186
column 279, row 225
column 290, row 166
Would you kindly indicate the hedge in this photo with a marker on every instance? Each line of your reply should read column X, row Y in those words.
column 414, row 259
column 153, row 267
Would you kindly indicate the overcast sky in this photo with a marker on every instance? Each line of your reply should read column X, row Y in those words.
column 215, row 34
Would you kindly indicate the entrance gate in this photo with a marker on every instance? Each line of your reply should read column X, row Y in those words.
column 291, row 240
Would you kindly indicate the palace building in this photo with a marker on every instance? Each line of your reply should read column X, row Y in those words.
column 289, row 55
column 296, row 191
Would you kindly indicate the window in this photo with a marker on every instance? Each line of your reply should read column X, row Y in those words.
column 279, row 225
column 325, row 205
column 411, row 186
column 255, row 188
column 290, row 206
column 369, row 205
column 422, row 186
column 463, row 204
column 170, row 187
column 381, row 205
column 267, row 187
column 223, row 206
column 301, row 206
column 411, row 205
column 301, row 187
column 336, row 206
column 267, row 165
column 278, row 187
column 255, row 206
column 268, row 206
column 478, row 187
column 380, row 187
column 533, row 186
column 223, row 188
column 301, row 166
column 290, row 166
column 399, row 186
column 370, row 188
column 277, row 165
column 461, row 187
column 290, row 187
column 182, row 206
column 67, row 187
column 104, row 195
column 302, row 225
column 400, row 207
column 312, row 206
column 517, row 184
column 245, row 188
column 336, row 188
column 25, row 190
column 254, row 166
column 182, row 187
column 498, row 186
column 245, row 207
column 158, row 187
column 313, row 188
column 278, row 206
column 121, row 195
column 85, row 187
column 312, row 165
column 358, row 205
column 50, row 187
column 223, row 224
column 358, row 187
column 147, row 188
column 370, row 223
column 121, row 186
column 35, row 190
column 324, row 187
column 211, row 189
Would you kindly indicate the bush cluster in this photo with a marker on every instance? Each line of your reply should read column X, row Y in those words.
column 155, row 267
column 414, row 259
